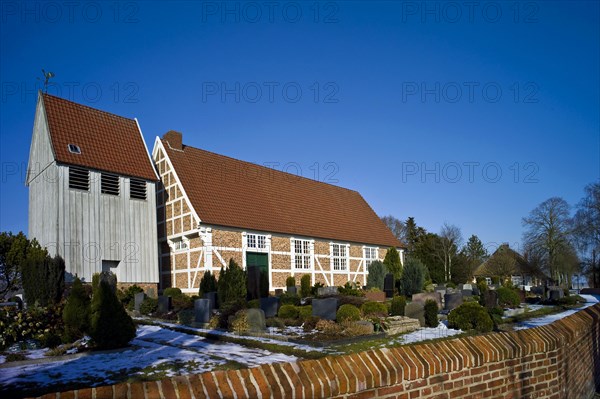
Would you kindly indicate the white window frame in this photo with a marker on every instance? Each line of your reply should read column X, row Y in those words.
column 251, row 242
column 180, row 245
column 306, row 255
column 342, row 259
column 370, row 251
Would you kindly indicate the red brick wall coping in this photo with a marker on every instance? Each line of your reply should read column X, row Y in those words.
column 559, row 360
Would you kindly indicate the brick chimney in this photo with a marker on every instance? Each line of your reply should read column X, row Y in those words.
column 174, row 139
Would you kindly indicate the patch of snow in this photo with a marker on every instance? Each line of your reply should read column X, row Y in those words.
column 424, row 334
column 543, row 320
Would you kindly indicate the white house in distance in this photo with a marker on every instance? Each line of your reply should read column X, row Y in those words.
column 92, row 192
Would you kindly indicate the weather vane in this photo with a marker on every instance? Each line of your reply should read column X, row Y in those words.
column 47, row 77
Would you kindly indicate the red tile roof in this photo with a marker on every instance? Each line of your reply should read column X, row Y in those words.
column 108, row 142
column 229, row 192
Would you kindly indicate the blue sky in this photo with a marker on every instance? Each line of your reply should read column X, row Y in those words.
column 444, row 111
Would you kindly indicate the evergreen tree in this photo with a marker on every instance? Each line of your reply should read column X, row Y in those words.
column 232, row 284
column 413, row 277
column 376, row 275
column 110, row 325
column 207, row 284
column 392, row 262
column 475, row 253
column 76, row 313
column 13, row 252
column 43, row 277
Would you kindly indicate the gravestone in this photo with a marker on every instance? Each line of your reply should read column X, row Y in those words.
column 424, row 296
column 138, row 299
column 325, row 308
column 401, row 324
column 325, row 291
column 164, row 304
column 554, row 294
column 452, row 301
column 490, row 299
column 537, row 290
column 467, row 293
column 256, row 320
column 467, row 287
column 476, row 290
column 415, row 310
column 212, row 297
column 278, row 291
column 253, row 282
column 269, row 306
column 202, row 310
column 367, row 325
column 292, row 290
column 388, row 285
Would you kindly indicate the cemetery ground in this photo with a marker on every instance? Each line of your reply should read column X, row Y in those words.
column 165, row 348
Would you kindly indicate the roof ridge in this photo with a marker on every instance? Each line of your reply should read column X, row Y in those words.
column 263, row 167
column 87, row 106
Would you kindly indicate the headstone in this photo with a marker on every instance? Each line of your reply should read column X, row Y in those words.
column 401, row 324
column 555, row 294
column 467, row 293
column 212, row 297
column 367, row 325
column 424, row 296
column 164, row 304
column 256, row 320
column 325, row 291
column 138, row 299
column 278, row 292
column 269, row 306
column 490, row 299
column 202, row 310
column 375, row 296
column 467, row 287
column 253, row 282
column 415, row 310
column 476, row 290
column 291, row 290
column 538, row 290
column 325, row 308
column 452, row 301
column 388, row 285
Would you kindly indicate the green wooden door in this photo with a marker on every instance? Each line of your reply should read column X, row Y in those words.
column 260, row 260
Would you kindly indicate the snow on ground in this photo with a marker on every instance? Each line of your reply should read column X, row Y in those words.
column 542, row 321
column 155, row 349
column 423, row 334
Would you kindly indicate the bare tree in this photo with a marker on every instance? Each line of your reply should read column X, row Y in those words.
column 396, row 226
column 502, row 263
column 450, row 240
column 587, row 229
column 548, row 232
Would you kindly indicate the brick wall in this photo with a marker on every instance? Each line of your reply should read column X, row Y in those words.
column 560, row 360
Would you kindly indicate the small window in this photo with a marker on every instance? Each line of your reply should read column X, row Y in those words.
column 301, row 250
column 109, row 184
column 257, row 241
column 180, row 245
column 79, row 178
column 370, row 256
column 74, row 149
column 339, row 254
column 137, row 189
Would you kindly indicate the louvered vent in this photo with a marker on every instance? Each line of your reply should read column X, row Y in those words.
column 79, row 178
column 109, row 184
column 137, row 189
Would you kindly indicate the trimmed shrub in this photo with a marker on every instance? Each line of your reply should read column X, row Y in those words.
column 305, row 286
column 43, row 277
column 310, row 323
column 208, row 283
column 305, row 311
column 181, row 302
column 254, row 304
column 398, row 305
column 314, row 291
column 110, row 327
column 289, row 299
column 290, row 281
column 376, row 275
column 347, row 312
column 230, row 309
column 450, row 284
column 431, row 313
column 127, row 297
column 148, row 305
column 470, row 316
column 374, row 309
column 232, row 284
column 173, row 292
column 351, row 289
column 76, row 313
column 239, row 322
column 413, row 276
column 288, row 312
column 392, row 262
column 508, row 297
column 186, row 317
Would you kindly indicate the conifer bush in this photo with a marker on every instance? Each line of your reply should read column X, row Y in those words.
column 288, row 312
column 431, row 313
column 148, row 306
column 208, row 283
column 376, row 275
column 43, row 277
column 392, row 262
column 232, row 284
column 398, row 305
column 290, row 281
column 413, row 276
column 110, row 325
column 374, row 309
column 508, row 297
column 347, row 313
column 305, row 286
column 76, row 313
column 173, row 292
